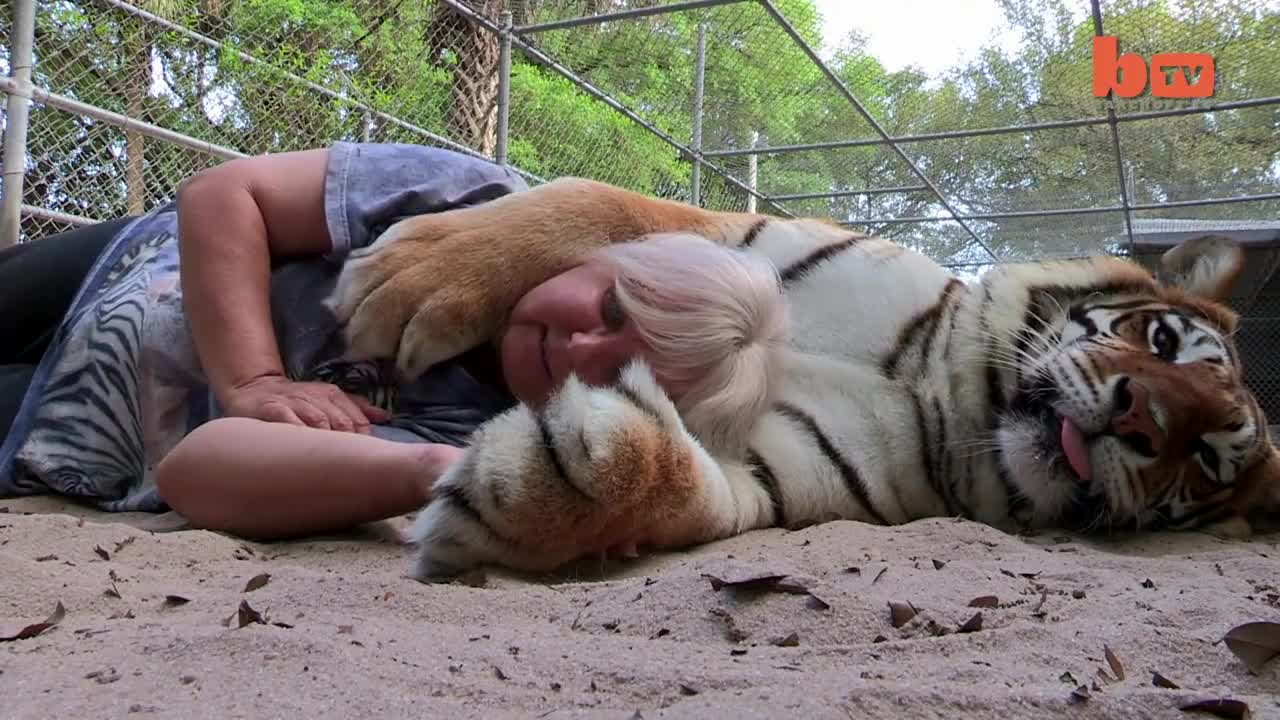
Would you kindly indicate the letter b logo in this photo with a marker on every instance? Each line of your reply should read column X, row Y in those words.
column 1173, row 75
column 1125, row 74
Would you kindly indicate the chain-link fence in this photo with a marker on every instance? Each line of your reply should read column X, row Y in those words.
column 732, row 104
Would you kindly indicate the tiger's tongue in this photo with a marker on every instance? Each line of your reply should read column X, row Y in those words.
column 1074, row 448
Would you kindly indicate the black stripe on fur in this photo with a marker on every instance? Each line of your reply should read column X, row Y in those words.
column 1090, row 381
column 852, row 479
column 640, row 403
column 763, row 474
column 995, row 394
column 753, row 232
column 553, row 455
column 456, row 496
column 923, row 325
column 800, row 268
column 927, row 445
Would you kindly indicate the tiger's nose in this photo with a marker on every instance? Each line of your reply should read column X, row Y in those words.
column 1131, row 418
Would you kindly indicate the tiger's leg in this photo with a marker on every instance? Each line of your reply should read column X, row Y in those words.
column 598, row 468
column 436, row 285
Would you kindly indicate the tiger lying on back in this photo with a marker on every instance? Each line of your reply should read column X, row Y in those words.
column 1084, row 394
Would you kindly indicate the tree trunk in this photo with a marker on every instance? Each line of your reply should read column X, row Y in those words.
column 472, row 115
column 137, row 80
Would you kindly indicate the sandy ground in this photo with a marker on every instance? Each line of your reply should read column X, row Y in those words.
column 152, row 626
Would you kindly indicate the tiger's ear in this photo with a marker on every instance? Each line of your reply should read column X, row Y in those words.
column 1207, row 266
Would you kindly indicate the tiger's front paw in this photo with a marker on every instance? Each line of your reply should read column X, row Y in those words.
column 422, row 293
column 598, row 469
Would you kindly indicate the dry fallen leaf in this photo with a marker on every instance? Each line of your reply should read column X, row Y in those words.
column 30, row 631
column 1163, row 682
column 1114, row 662
column 127, row 541
column 973, row 624
column 901, row 613
column 175, row 601
column 766, row 581
column 346, row 629
column 257, row 581
column 1223, row 708
column 816, row 603
column 1038, row 610
column 986, row 601
column 687, row 690
column 938, row 564
column 792, row 640
column 112, row 592
column 121, row 615
column 1080, row 694
column 101, row 553
column 883, row 570
column 104, row 677
column 1068, row 678
column 246, row 615
column 1255, row 643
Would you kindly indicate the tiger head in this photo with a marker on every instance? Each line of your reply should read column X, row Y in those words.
column 1130, row 409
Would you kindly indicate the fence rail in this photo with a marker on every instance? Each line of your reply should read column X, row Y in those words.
column 705, row 143
column 729, row 104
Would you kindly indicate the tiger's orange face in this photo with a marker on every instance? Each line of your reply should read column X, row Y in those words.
column 1134, row 414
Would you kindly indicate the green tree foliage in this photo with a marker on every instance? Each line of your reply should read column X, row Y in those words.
column 276, row 72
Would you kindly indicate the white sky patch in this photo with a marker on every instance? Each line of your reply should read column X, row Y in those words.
column 933, row 35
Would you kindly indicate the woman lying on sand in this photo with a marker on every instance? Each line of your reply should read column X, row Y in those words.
column 184, row 359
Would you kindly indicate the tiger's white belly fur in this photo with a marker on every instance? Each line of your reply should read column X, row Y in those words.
column 868, row 424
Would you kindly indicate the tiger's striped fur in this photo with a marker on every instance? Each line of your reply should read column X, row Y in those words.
column 907, row 393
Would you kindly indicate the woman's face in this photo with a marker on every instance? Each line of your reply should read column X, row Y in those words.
column 570, row 323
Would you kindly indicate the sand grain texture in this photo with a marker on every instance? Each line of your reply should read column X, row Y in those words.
column 345, row 634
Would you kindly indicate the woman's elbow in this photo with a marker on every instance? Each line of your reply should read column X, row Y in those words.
column 186, row 478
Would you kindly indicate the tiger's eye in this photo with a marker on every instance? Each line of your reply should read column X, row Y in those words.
column 1165, row 342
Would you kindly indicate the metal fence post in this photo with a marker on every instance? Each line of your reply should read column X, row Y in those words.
column 16, row 110
column 753, row 171
column 504, row 88
column 698, row 75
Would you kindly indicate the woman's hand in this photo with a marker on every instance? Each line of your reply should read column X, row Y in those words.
column 275, row 398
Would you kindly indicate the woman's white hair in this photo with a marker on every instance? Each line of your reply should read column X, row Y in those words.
column 716, row 321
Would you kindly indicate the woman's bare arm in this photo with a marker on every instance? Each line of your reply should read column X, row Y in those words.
column 234, row 219
column 266, row 480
